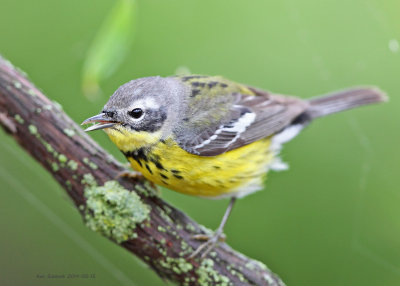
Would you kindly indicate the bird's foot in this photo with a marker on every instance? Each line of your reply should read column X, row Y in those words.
column 138, row 177
column 210, row 243
column 131, row 175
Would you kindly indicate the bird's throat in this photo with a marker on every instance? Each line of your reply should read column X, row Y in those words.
column 127, row 140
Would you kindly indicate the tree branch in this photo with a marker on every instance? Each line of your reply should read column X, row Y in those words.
column 126, row 211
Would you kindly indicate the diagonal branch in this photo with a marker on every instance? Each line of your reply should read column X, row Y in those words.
column 128, row 212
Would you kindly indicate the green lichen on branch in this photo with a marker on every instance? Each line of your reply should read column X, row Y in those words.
column 113, row 210
column 62, row 158
column 73, row 165
column 207, row 275
column 90, row 163
column 69, row 132
column 19, row 119
column 177, row 265
column 147, row 189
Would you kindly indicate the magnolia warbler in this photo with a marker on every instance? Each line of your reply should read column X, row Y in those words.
column 211, row 137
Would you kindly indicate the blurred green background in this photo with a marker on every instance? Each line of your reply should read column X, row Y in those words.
column 333, row 219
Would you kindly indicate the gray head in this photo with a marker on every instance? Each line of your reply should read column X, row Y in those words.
column 145, row 104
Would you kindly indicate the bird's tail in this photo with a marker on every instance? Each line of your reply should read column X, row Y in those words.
column 343, row 100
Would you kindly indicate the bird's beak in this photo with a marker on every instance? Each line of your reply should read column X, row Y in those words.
column 102, row 120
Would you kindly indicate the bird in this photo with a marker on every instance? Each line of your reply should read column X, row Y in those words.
column 211, row 137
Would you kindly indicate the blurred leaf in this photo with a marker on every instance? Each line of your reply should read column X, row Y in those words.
column 109, row 47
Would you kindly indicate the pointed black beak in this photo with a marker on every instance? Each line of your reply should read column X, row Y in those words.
column 102, row 120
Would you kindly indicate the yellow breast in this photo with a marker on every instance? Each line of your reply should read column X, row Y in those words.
column 236, row 172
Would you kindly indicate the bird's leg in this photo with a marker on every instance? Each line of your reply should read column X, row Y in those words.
column 217, row 236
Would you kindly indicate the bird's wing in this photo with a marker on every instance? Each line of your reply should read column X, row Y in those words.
column 236, row 120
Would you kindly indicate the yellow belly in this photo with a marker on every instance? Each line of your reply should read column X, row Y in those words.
column 237, row 171
column 234, row 173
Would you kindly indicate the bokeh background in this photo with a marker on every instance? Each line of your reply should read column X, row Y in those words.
column 332, row 219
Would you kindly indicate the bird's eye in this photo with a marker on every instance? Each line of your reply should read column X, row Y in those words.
column 136, row 113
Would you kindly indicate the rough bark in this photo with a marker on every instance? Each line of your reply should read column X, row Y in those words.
column 163, row 238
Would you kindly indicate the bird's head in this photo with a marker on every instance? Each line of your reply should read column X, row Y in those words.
column 141, row 110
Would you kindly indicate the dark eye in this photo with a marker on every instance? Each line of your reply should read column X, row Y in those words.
column 136, row 113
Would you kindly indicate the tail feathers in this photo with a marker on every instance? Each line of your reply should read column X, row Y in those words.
column 343, row 100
